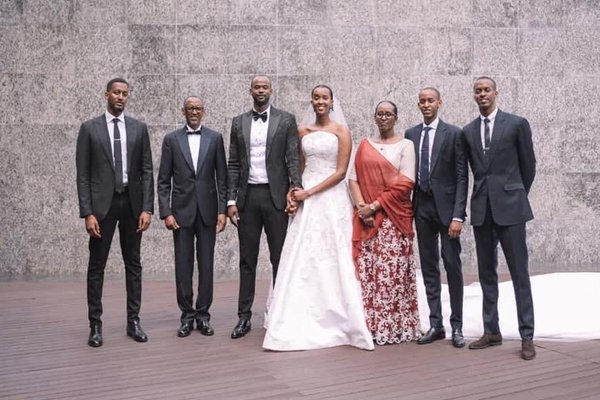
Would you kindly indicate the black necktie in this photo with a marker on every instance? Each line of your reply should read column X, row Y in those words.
column 118, row 158
column 193, row 132
column 262, row 116
column 424, row 165
column 486, row 136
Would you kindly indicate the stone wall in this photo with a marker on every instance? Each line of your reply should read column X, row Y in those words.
column 56, row 57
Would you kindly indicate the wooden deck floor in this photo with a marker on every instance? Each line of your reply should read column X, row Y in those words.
column 43, row 355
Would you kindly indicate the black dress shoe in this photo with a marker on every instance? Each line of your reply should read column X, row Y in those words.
column 135, row 331
column 241, row 329
column 205, row 328
column 431, row 335
column 95, row 338
column 185, row 329
column 458, row 340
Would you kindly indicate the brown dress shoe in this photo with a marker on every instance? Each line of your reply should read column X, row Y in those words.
column 487, row 340
column 527, row 349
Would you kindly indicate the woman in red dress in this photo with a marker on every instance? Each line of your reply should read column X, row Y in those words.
column 381, row 183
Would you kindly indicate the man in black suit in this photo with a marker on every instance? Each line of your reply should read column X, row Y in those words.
column 114, row 185
column 500, row 152
column 439, row 202
column 263, row 163
column 192, row 200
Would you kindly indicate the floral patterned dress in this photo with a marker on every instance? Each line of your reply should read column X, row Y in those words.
column 383, row 254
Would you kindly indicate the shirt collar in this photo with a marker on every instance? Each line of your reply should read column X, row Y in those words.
column 432, row 125
column 491, row 117
column 109, row 117
column 268, row 111
column 189, row 129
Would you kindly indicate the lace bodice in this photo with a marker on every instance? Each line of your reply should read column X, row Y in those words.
column 320, row 149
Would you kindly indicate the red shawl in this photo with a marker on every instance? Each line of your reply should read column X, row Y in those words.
column 380, row 180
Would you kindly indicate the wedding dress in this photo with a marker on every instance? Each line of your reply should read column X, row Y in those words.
column 316, row 301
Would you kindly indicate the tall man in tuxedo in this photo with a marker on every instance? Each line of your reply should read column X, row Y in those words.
column 192, row 200
column 439, row 203
column 115, row 185
column 500, row 152
column 263, row 163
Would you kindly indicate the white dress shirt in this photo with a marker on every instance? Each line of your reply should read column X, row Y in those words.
column 258, row 150
column 431, row 134
column 194, row 143
column 123, row 134
column 492, row 118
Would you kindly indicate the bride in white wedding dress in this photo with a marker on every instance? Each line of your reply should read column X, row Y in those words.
column 317, row 301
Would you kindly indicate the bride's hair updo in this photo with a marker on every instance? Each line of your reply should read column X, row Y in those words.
column 322, row 86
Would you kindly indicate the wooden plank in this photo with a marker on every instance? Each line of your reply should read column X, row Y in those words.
column 44, row 355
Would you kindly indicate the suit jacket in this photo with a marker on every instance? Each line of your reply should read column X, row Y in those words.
column 95, row 168
column 506, row 175
column 282, row 157
column 448, row 170
column 183, row 191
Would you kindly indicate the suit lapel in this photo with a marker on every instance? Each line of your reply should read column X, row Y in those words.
column 273, row 125
column 497, row 134
column 131, row 128
column 105, row 139
column 204, row 145
column 185, row 147
column 438, row 144
column 476, row 133
column 246, row 128
column 416, row 143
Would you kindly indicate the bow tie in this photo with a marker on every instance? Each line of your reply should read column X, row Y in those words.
column 256, row 116
column 193, row 132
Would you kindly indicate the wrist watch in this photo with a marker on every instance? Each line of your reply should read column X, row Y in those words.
column 372, row 207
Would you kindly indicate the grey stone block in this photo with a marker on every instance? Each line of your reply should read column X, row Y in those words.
column 103, row 51
column 47, row 49
column 449, row 52
column 302, row 50
column 495, row 14
column 151, row 99
column 580, row 13
column 398, row 51
column 155, row 12
column 152, row 49
column 106, row 13
column 302, row 12
column 495, row 52
column 542, row 52
column 540, row 105
column 541, row 13
column 583, row 51
column 253, row 12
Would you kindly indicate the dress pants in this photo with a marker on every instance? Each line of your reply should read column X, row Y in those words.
column 259, row 212
column 119, row 212
column 512, row 238
column 205, row 237
column 429, row 230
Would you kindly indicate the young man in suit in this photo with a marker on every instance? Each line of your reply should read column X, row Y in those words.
column 439, row 202
column 192, row 201
column 114, row 185
column 500, row 151
column 263, row 164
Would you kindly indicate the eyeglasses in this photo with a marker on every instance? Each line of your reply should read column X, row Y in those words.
column 387, row 115
column 194, row 109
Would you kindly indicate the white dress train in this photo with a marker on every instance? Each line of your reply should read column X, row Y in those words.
column 564, row 307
